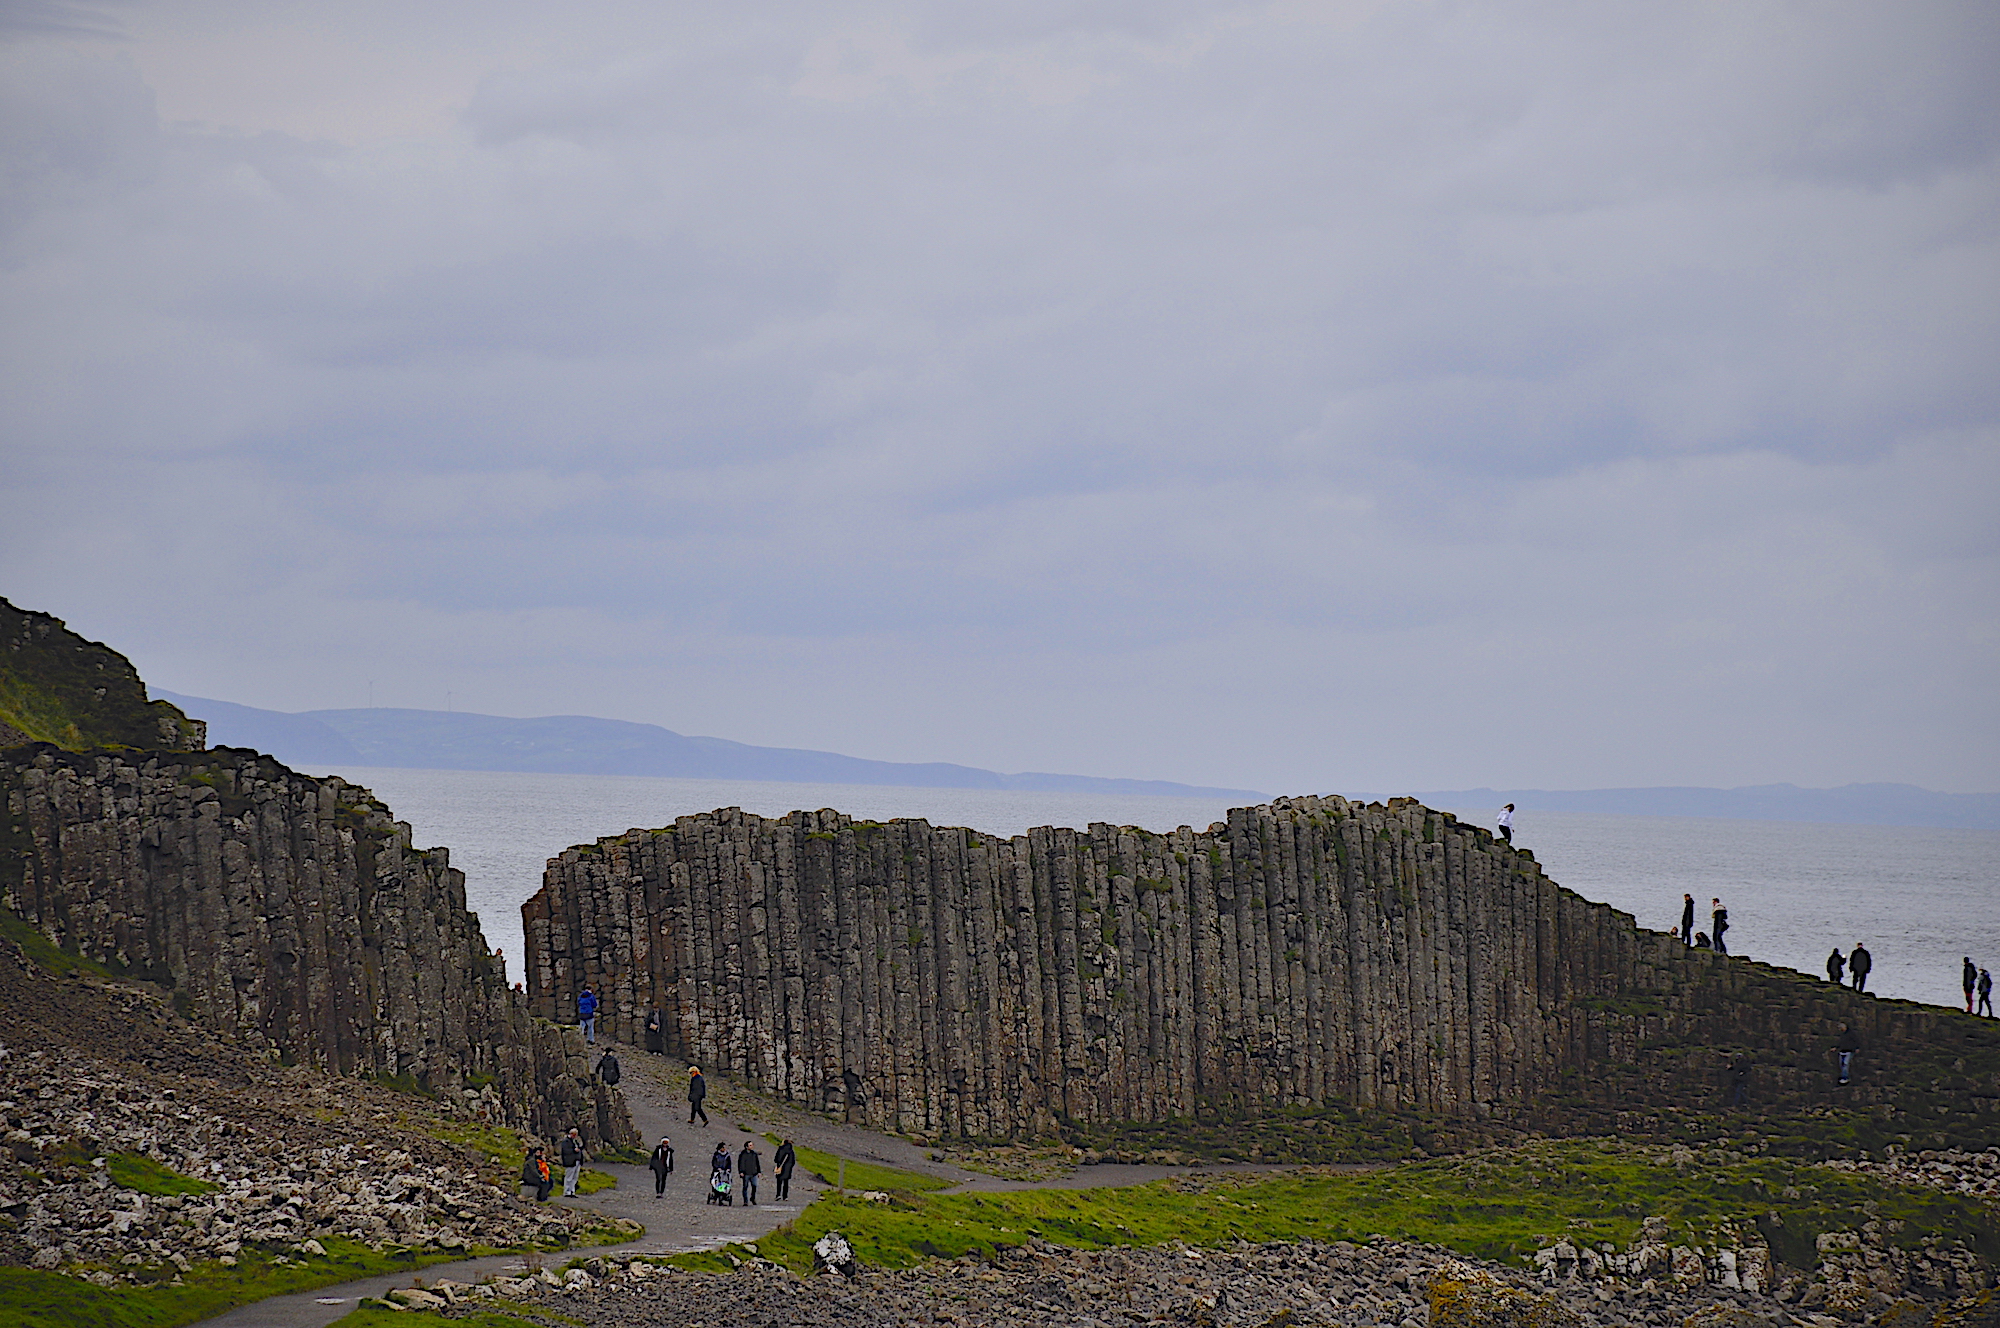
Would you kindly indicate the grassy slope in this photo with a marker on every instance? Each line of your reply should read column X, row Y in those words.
column 30, row 1298
column 1497, row 1205
column 57, row 687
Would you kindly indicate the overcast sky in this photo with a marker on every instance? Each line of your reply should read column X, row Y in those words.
column 1291, row 396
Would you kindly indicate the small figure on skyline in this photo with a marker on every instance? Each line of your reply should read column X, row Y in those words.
column 697, row 1090
column 1985, row 993
column 662, row 1164
column 1720, row 920
column 1859, row 961
column 1836, row 967
column 586, row 1014
column 1507, row 823
column 1687, row 919
column 1969, row 977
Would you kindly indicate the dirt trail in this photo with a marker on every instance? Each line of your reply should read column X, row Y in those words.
column 679, row 1220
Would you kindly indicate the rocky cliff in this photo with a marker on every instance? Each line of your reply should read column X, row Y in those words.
column 1305, row 953
column 287, row 911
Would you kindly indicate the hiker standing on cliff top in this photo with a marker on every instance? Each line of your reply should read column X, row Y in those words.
column 1985, row 993
column 1720, row 924
column 697, row 1090
column 586, row 1014
column 1507, row 823
column 1836, row 967
column 1970, row 978
column 1859, row 961
column 1687, row 919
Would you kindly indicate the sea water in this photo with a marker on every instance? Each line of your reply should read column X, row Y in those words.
column 1918, row 898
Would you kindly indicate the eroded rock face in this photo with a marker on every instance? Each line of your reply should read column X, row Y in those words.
column 288, row 912
column 941, row 982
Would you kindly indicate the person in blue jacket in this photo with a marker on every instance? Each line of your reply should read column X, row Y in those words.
column 586, row 1014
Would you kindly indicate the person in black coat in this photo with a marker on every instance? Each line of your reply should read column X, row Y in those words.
column 1845, row 1049
column 782, row 1163
column 573, row 1157
column 535, row 1172
column 662, row 1165
column 1859, row 961
column 1687, row 919
column 749, row 1166
column 1969, row 978
column 1720, row 924
column 656, row 1033
column 1836, row 967
column 608, row 1069
column 697, row 1090
column 720, row 1167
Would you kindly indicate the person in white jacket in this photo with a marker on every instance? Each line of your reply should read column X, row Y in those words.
column 1507, row 823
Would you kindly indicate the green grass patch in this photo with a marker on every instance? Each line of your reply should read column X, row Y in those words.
column 44, row 951
column 1499, row 1205
column 143, row 1174
column 590, row 1181
column 861, row 1175
column 32, row 1298
column 374, row 1316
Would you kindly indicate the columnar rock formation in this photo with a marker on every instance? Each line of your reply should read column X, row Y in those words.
column 1309, row 952
column 288, row 911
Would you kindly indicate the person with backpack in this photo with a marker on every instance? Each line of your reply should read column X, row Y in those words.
column 573, row 1158
column 782, row 1163
column 697, row 1090
column 586, row 1014
column 535, row 1172
column 1859, row 961
column 662, row 1165
column 608, row 1069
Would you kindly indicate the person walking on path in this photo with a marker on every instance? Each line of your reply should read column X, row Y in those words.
column 662, row 1165
column 697, row 1090
column 1969, row 978
column 656, row 1033
column 573, row 1158
column 1845, row 1049
column 1836, row 967
column 608, row 1069
column 1687, row 919
column 782, row 1163
column 586, row 1014
column 720, row 1168
column 749, row 1166
column 535, row 1172
column 1986, row 993
column 1507, row 823
column 1719, row 921
column 1859, row 961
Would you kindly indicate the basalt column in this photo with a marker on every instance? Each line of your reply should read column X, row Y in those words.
column 939, row 981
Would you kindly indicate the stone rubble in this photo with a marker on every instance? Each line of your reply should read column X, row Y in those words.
column 1381, row 1283
column 301, row 1160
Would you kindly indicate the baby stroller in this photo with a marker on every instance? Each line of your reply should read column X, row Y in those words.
column 719, row 1188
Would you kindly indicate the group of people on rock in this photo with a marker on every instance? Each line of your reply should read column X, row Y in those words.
column 536, row 1172
column 1857, row 962
column 1977, row 981
column 1718, row 923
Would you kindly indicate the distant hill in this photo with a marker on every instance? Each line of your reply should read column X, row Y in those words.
column 580, row 745
column 1851, row 804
